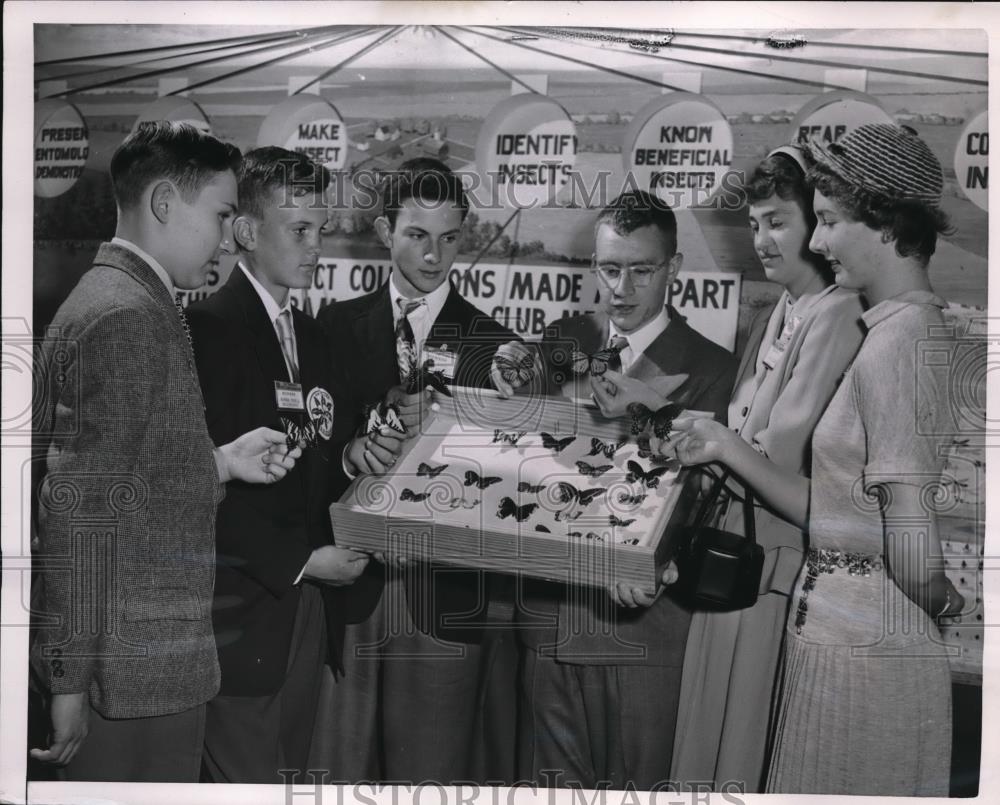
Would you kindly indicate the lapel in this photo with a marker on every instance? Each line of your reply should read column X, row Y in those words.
column 111, row 254
column 377, row 335
column 270, row 359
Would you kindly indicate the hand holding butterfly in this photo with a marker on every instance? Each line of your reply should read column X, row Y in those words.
column 514, row 365
column 412, row 407
column 259, row 456
column 614, row 392
column 633, row 597
column 334, row 566
column 376, row 453
column 698, row 440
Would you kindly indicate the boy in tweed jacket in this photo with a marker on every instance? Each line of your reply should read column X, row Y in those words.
column 132, row 478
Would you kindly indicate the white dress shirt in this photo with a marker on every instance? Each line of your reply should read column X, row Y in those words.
column 423, row 318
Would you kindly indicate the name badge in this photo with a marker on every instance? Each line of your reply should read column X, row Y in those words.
column 778, row 347
column 444, row 360
column 288, row 396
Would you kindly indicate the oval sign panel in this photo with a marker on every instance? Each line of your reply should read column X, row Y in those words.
column 176, row 109
column 678, row 147
column 831, row 115
column 308, row 125
column 62, row 145
column 526, row 150
column 972, row 157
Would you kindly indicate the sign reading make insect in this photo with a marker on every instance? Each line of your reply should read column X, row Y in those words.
column 829, row 116
column 972, row 157
column 678, row 147
column 307, row 125
column 526, row 150
column 62, row 145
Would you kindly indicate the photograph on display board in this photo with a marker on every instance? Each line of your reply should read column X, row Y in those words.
column 502, row 403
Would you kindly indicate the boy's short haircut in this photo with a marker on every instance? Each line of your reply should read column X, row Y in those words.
column 425, row 179
column 636, row 209
column 162, row 149
column 271, row 168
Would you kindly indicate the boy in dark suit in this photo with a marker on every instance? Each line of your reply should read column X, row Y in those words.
column 599, row 689
column 133, row 478
column 261, row 360
column 406, row 708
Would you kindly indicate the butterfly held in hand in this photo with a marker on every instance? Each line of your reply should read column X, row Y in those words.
column 516, row 372
column 383, row 414
column 596, row 364
column 662, row 419
column 300, row 435
column 421, row 377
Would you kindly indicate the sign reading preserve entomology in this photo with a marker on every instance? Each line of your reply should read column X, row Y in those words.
column 62, row 145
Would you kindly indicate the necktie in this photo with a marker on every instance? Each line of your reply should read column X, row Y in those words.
column 286, row 337
column 184, row 321
column 406, row 344
column 616, row 345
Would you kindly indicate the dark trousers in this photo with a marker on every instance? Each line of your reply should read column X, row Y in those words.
column 406, row 708
column 595, row 726
column 158, row 749
column 248, row 739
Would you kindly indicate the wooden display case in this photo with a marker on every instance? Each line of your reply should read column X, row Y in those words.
column 615, row 527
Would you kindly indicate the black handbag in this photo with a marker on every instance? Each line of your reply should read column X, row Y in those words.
column 719, row 570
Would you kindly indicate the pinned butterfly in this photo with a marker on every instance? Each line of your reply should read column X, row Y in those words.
column 662, row 420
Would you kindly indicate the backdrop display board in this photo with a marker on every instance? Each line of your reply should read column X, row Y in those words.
column 62, row 146
column 526, row 150
column 308, row 125
column 525, row 297
column 972, row 156
column 679, row 147
column 831, row 115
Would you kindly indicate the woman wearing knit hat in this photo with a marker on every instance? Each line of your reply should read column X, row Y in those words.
column 864, row 698
column 796, row 353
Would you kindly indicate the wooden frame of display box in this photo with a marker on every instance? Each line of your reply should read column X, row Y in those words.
column 430, row 505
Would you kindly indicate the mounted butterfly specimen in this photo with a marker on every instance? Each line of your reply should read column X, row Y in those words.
column 632, row 500
column 556, row 445
column 463, row 503
column 662, row 419
column 416, row 497
column 517, row 372
column 591, row 471
column 630, row 541
column 534, row 489
column 615, row 521
column 606, row 449
column 383, row 414
column 648, row 478
column 507, row 440
column 575, row 500
column 596, row 364
column 421, row 377
column 473, row 478
column 427, row 469
column 508, row 508
column 300, row 435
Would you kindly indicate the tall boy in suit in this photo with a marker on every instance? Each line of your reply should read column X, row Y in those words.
column 407, row 706
column 599, row 688
column 133, row 478
column 261, row 360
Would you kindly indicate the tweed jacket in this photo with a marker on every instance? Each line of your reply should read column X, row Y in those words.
column 126, row 509
column 582, row 625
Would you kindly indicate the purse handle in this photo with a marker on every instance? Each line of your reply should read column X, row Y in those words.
column 749, row 526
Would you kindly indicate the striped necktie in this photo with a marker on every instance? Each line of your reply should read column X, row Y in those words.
column 406, row 344
column 617, row 344
column 286, row 337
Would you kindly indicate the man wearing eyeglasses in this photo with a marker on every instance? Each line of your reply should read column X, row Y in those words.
column 601, row 678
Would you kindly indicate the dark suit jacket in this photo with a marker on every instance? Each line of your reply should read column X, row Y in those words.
column 264, row 533
column 583, row 626
column 129, row 499
column 361, row 331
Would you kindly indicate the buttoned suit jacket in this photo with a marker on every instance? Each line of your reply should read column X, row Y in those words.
column 264, row 533
column 363, row 331
column 582, row 625
column 128, row 500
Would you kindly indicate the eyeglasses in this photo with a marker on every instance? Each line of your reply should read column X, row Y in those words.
column 641, row 274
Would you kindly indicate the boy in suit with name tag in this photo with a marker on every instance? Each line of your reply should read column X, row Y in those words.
column 406, row 709
column 262, row 361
